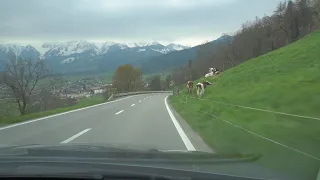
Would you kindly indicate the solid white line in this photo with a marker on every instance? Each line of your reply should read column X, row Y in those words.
column 132, row 105
column 75, row 136
column 48, row 117
column 182, row 134
column 119, row 112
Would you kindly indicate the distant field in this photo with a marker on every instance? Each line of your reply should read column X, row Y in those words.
column 286, row 80
column 105, row 78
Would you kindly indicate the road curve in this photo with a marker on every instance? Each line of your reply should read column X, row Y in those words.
column 139, row 121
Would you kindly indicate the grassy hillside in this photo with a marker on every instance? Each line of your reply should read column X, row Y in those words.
column 286, row 80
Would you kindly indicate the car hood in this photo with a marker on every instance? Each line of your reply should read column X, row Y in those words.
column 114, row 151
column 233, row 164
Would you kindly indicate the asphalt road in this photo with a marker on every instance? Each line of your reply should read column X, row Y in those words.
column 137, row 121
column 141, row 121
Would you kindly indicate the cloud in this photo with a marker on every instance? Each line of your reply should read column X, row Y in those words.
column 125, row 20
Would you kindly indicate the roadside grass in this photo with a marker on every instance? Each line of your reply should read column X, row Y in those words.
column 85, row 102
column 286, row 80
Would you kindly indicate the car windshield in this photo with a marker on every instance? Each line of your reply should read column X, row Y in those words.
column 220, row 86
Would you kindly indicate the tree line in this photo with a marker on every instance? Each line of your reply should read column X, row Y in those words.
column 129, row 79
column 291, row 21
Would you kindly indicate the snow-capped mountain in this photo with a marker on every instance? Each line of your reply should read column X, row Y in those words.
column 76, row 55
column 77, row 47
column 70, row 48
column 16, row 50
column 176, row 47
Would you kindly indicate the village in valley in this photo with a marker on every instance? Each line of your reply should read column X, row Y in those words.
column 55, row 92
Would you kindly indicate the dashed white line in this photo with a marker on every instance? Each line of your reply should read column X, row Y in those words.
column 140, row 101
column 119, row 112
column 75, row 136
column 132, row 105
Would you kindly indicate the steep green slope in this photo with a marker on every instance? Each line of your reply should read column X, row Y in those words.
column 286, row 80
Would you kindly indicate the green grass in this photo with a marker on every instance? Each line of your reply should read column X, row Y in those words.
column 286, row 80
column 82, row 103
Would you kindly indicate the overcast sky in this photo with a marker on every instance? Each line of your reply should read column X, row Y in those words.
column 188, row 22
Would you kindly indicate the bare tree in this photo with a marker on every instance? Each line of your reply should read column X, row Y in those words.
column 22, row 77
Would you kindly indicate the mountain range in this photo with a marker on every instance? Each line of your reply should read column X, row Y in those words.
column 78, row 57
column 81, row 56
column 177, row 59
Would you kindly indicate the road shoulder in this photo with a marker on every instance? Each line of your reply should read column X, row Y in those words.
column 193, row 136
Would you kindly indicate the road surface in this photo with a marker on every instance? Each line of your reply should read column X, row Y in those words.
column 141, row 121
column 137, row 121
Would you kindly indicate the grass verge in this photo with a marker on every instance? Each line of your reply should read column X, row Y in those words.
column 286, row 80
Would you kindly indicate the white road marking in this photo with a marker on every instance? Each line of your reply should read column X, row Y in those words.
column 140, row 101
column 182, row 134
column 48, row 117
column 132, row 105
column 75, row 136
column 119, row 112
